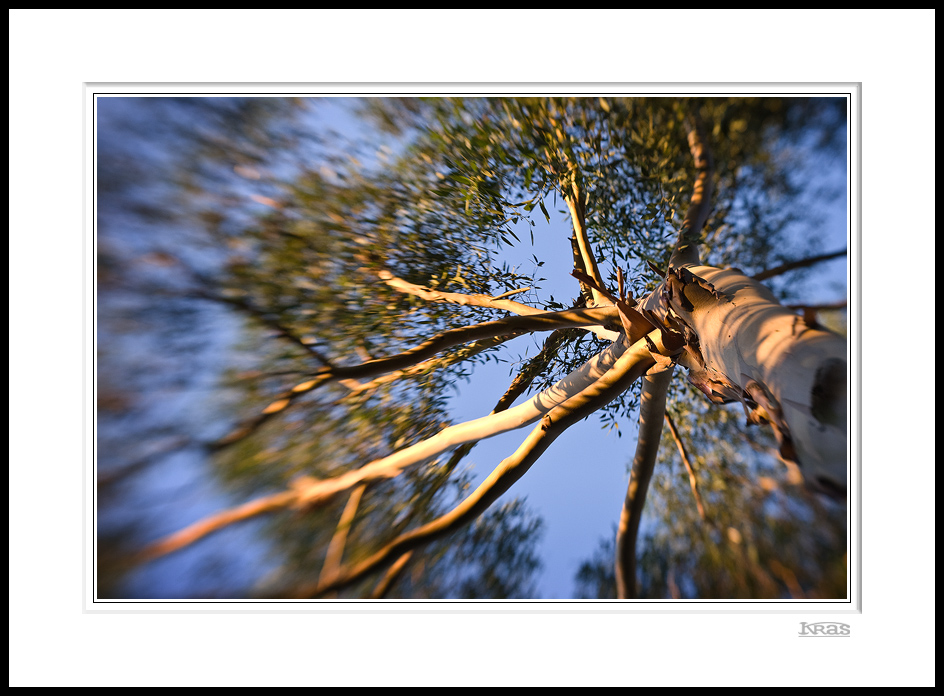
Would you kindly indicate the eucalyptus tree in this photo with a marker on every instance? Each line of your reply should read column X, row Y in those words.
column 380, row 272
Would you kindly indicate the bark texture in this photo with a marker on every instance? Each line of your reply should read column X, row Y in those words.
column 743, row 345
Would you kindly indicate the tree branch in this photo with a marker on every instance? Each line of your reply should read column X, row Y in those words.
column 390, row 577
column 216, row 522
column 630, row 366
column 478, row 300
column 651, row 411
column 471, row 300
column 577, row 206
column 335, row 552
column 429, row 365
column 801, row 263
column 545, row 321
column 470, row 431
column 308, row 492
column 692, row 481
column 521, row 382
column 686, row 248
column 511, row 326
column 585, row 292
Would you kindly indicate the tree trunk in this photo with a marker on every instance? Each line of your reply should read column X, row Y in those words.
column 744, row 345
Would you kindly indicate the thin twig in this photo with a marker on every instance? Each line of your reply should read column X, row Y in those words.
column 800, row 263
column 693, row 482
column 839, row 304
column 267, row 319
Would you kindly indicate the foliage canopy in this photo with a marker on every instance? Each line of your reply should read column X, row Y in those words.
column 332, row 251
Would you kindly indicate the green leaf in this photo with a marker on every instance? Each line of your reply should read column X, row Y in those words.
column 544, row 210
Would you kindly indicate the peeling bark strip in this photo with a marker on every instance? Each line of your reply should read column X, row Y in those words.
column 749, row 349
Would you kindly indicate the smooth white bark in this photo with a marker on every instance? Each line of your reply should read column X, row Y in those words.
column 795, row 374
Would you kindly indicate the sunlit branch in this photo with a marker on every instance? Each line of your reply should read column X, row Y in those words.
column 429, row 365
column 335, row 552
column 470, row 431
column 391, row 576
column 511, row 326
column 651, row 410
column 520, row 383
column 686, row 248
column 517, row 325
column 471, row 300
column 308, row 492
column 478, row 300
column 576, row 204
column 630, row 366
column 692, row 481
column 801, row 263
column 216, row 522
column 585, row 292
column 535, row 365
